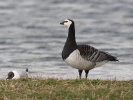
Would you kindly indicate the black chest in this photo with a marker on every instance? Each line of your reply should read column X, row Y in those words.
column 67, row 50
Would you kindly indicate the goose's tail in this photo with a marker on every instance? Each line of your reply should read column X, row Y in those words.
column 112, row 58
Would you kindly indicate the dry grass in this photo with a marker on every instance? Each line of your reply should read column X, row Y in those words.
column 58, row 89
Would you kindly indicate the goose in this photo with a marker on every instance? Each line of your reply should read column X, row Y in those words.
column 16, row 74
column 82, row 57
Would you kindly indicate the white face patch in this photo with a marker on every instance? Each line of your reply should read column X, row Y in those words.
column 67, row 23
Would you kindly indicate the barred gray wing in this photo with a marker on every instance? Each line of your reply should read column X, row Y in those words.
column 92, row 54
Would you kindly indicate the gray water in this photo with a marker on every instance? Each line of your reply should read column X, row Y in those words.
column 31, row 36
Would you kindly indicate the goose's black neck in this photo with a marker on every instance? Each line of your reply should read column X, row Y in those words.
column 70, row 44
column 71, row 35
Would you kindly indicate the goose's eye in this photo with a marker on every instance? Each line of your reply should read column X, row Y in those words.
column 65, row 21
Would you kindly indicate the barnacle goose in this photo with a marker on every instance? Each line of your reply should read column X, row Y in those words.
column 16, row 74
column 82, row 57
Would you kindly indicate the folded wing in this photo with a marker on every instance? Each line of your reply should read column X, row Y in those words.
column 94, row 55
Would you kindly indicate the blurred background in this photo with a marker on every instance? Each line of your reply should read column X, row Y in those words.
column 31, row 35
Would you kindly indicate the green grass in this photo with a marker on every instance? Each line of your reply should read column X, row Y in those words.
column 58, row 89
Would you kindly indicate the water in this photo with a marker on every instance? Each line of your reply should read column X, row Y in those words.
column 31, row 36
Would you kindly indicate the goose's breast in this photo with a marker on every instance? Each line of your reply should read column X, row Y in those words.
column 76, row 61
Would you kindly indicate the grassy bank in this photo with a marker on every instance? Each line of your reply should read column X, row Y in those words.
column 57, row 89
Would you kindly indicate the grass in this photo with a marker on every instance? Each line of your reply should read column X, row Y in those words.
column 69, row 89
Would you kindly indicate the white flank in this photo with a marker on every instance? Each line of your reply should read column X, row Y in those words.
column 76, row 61
column 101, row 63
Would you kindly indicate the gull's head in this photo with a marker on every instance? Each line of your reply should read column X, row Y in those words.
column 10, row 75
column 67, row 23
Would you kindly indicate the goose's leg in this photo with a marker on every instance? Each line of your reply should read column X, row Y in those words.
column 80, row 73
column 86, row 73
